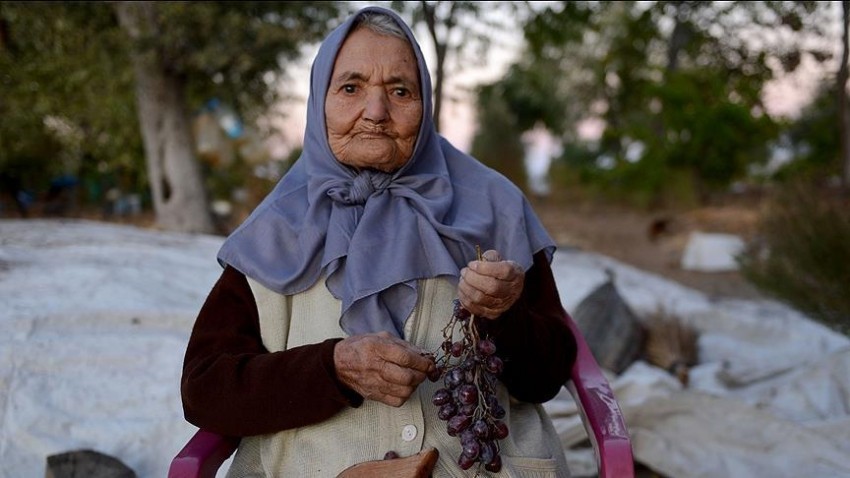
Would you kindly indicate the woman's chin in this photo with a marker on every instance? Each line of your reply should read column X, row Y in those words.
column 381, row 157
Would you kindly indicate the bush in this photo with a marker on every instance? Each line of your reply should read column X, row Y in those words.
column 802, row 256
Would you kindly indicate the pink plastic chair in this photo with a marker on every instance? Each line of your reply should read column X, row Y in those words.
column 205, row 452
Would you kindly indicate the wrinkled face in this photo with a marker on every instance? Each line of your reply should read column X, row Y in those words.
column 374, row 106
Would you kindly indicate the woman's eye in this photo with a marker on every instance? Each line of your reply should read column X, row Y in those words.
column 349, row 88
column 401, row 92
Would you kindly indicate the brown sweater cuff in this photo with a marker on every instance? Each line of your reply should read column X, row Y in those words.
column 352, row 398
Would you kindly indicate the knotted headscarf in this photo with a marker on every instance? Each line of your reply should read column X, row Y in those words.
column 371, row 234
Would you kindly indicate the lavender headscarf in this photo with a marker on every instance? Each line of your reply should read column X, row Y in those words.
column 373, row 234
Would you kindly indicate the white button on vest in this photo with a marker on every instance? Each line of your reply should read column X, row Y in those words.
column 408, row 433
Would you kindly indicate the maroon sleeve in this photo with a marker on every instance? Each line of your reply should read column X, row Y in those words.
column 532, row 338
column 233, row 386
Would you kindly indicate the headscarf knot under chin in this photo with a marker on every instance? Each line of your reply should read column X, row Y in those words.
column 358, row 190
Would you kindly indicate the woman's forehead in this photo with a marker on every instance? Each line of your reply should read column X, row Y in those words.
column 364, row 49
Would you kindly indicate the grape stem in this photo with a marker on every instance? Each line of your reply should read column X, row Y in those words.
column 473, row 330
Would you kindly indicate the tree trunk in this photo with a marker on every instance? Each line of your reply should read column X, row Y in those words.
column 177, row 187
column 843, row 107
column 429, row 13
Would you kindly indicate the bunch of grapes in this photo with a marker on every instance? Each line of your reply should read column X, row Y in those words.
column 469, row 367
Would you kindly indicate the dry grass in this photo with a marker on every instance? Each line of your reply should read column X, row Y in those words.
column 671, row 345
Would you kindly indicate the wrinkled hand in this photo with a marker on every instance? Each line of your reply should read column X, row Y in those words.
column 381, row 367
column 490, row 287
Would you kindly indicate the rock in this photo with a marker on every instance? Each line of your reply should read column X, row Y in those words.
column 610, row 328
column 88, row 463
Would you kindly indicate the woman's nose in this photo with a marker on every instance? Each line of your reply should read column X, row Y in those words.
column 377, row 107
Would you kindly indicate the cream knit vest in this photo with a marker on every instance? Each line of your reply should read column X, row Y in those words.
column 354, row 435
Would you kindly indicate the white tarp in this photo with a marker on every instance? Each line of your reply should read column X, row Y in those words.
column 95, row 318
column 763, row 366
column 711, row 252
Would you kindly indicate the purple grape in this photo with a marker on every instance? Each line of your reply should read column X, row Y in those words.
column 499, row 430
column 494, row 364
column 441, row 397
column 390, row 455
column 471, row 448
column 460, row 311
column 467, row 409
column 436, row 373
column 467, row 394
column 481, row 429
column 447, row 411
column 469, row 374
column 454, row 378
column 486, row 347
column 467, row 435
column 495, row 465
column 465, row 462
column 457, row 424
column 488, row 451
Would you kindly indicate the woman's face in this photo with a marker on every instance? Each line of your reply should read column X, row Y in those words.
column 374, row 107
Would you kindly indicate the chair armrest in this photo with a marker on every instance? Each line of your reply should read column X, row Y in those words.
column 202, row 456
column 600, row 412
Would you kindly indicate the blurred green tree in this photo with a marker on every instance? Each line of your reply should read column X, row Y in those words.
column 818, row 139
column 67, row 94
column 461, row 33
column 814, row 140
column 498, row 143
column 676, row 85
column 106, row 70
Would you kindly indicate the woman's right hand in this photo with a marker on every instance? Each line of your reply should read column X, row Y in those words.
column 381, row 367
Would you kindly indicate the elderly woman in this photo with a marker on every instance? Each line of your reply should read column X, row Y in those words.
column 314, row 344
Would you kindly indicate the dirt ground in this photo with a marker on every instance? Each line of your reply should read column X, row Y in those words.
column 652, row 241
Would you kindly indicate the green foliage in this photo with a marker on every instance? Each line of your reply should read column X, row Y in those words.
column 699, row 129
column 695, row 113
column 525, row 91
column 803, row 254
column 69, row 102
column 461, row 33
column 68, row 93
column 677, row 86
column 237, row 51
column 498, row 143
column 814, row 139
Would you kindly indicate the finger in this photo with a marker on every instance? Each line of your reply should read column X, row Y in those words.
column 486, row 285
column 372, row 387
column 391, row 400
column 487, row 296
column 467, row 302
column 360, row 366
column 384, row 393
column 400, row 377
column 476, row 302
column 503, row 270
column 491, row 255
column 405, row 355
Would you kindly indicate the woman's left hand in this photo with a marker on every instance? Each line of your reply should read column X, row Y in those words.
column 489, row 287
